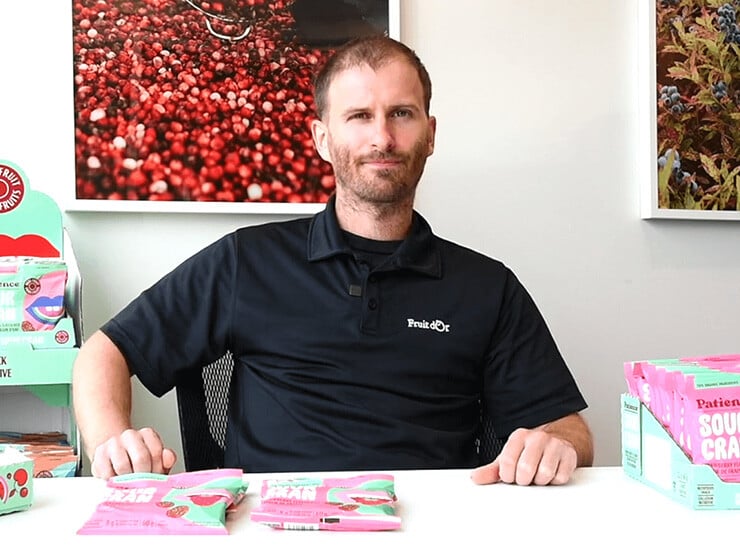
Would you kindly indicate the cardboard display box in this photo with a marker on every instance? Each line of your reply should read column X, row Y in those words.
column 650, row 455
column 36, row 365
column 16, row 481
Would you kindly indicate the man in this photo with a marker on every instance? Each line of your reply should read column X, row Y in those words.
column 361, row 340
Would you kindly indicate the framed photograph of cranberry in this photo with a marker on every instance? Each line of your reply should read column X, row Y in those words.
column 690, row 109
column 205, row 105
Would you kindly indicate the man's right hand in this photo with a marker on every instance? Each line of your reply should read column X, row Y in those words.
column 132, row 451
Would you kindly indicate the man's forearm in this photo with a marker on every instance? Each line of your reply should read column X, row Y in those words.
column 573, row 429
column 101, row 392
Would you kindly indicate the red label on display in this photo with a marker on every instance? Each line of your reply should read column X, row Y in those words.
column 12, row 188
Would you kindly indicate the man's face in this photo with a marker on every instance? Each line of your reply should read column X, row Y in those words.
column 375, row 132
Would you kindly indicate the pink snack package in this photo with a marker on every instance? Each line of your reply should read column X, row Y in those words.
column 633, row 372
column 729, row 363
column 661, row 395
column 190, row 503
column 43, row 305
column 32, row 293
column 712, row 426
column 359, row 503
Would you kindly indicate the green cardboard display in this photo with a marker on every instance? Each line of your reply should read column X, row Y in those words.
column 40, row 362
column 36, row 357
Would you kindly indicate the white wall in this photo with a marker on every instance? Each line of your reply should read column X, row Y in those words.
column 536, row 164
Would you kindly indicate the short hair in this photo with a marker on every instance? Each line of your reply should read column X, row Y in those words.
column 375, row 51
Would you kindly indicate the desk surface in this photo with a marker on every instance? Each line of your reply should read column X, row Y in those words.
column 600, row 511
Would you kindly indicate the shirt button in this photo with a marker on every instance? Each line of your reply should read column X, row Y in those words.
column 372, row 280
column 372, row 304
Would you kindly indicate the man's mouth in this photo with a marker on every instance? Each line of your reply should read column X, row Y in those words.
column 383, row 162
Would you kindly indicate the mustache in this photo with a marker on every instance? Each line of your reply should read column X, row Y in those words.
column 382, row 156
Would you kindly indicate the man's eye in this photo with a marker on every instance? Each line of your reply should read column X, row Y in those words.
column 401, row 113
column 359, row 116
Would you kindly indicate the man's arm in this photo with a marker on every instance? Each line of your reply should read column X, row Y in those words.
column 547, row 454
column 101, row 396
column 573, row 429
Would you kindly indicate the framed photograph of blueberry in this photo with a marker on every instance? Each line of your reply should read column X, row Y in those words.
column 690, row 109
column 205, row 106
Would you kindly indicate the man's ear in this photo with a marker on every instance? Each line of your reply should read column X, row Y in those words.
column 320, row 139
column 432, row 132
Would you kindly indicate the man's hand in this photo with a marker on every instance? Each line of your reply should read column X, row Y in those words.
column 530, row 456
column 544, row 455
column 132, row 451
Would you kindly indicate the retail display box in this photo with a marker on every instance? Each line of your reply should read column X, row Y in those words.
column 651, row 455
column 16, row 481
column 36, row 363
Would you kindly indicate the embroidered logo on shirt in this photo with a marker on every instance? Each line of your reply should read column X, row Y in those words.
column 436, row 325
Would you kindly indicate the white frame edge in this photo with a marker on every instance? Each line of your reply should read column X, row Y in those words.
column 647, row 115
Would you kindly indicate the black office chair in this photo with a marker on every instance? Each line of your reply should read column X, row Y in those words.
column 202, row 404
column 489, row 445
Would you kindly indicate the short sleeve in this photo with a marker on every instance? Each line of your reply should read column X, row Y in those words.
column 180, row 323
column 526, row 380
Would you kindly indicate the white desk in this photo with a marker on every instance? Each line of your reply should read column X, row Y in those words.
column 600, row 513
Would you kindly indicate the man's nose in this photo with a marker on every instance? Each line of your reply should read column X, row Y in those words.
column 383, row 137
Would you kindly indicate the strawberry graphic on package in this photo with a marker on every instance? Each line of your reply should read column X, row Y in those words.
column 192, row 503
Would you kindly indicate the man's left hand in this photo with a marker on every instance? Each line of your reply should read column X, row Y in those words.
column 530, row 457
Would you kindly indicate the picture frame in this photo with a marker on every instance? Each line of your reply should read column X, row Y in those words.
column 172, row 124
column 685, row 108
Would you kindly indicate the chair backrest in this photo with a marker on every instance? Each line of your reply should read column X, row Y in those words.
column 488, row 444
column 202, row 403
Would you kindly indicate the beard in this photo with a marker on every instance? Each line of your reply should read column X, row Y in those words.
column 380, row 186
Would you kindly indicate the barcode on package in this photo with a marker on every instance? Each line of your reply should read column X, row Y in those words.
column 301, row 526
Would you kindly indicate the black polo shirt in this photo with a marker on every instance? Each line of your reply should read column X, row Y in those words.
column 342, row 366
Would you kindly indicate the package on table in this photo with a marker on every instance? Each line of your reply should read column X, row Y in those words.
column 16, row 481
